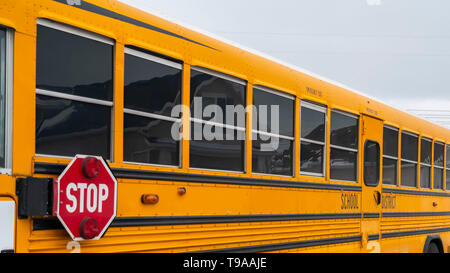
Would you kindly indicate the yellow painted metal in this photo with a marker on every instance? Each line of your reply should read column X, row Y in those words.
column 209, row 199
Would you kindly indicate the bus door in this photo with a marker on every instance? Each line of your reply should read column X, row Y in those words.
column 372, row 141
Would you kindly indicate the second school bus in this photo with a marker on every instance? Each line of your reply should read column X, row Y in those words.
column 100, row 78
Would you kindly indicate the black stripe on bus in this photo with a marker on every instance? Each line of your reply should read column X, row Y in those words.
column 413, row 192
column 114, row 15
column 415, row 214
column 56, row 169
column 53, row 223
column 371, row 215
column 414, row 232
column 320, row 242
column 48, row 224
column 285, row 246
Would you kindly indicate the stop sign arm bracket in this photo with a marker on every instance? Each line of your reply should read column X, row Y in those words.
column 35, row 197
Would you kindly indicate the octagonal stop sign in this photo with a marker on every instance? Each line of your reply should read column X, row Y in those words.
column 85, row 197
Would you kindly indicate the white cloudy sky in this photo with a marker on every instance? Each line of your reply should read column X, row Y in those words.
column 395, row 50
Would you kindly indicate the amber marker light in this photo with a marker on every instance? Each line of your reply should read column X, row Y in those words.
column 149, row 199
column 181, row 191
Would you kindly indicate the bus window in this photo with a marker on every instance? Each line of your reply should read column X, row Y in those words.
column 390, row 156
column 344, row 147
column 152, row 89
column 448, row 168
column 272, row 148
column 312, row 139
column 409, row 159
column 439, row 149
column 425, row 163
column 2, row 97
column 74, row 91
column 217, row 143
column 371, row 163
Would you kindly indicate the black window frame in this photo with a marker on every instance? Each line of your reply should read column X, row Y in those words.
column 344, row 149
column 256, row 132
column 408, row 161
column 58, row 94
column 147, row 114
column 193, row 121
column 425, row 165
column 367, row 179
column 391, row 157
column 437, row 167
column 322, row 109
column 7, row 48
column 447, row 167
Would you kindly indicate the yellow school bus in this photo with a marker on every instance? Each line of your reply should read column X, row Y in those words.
column 98, row 77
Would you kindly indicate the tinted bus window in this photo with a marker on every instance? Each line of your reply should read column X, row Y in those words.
column 73, row 64
column 152, row 89
column 273, row 137
column 344, row 147
column 74, row 87
column 409, row 160
column 390, row 156
column 425, row 163
column 371, row 163
column 2, row 98
column 216, row 142
column 439, row 150
column 312, row 139
column 448, row 168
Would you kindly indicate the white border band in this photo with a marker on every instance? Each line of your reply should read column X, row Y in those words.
column 274, row 92
column 75, row 31
column 152, row 58
column 219, row 75
column 73, row 97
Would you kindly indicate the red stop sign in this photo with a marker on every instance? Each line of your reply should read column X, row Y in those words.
column 85, row 197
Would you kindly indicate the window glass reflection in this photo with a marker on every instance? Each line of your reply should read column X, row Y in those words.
column 148, row 140
column 150, row 86
column 276, row 161
column 390, row 142
column 425, row 151
column 343, row 165
column 265, row 119
column 74, row 65
column 389, row 171
column 425, row 177
column 312, row 124
column 66, row 127
column 409, row 147
column 311, row 158
column 344, row 131
column 409, row 174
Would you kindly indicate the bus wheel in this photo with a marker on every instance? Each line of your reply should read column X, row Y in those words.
column 433, row 248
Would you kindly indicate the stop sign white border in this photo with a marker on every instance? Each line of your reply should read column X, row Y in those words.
column 105, row 165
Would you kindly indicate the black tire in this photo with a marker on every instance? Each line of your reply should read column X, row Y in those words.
column 433, row 248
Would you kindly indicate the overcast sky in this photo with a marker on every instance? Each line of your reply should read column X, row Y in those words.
column 397, row 51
